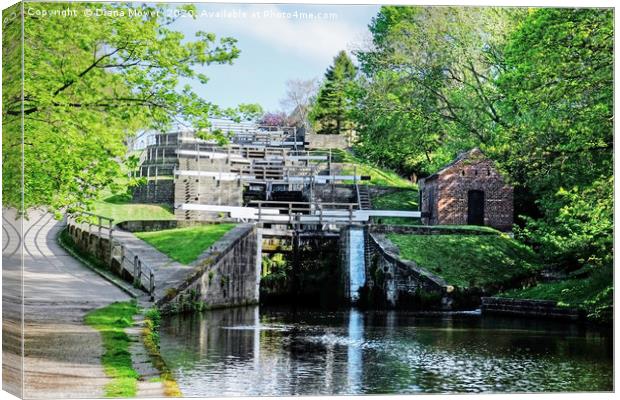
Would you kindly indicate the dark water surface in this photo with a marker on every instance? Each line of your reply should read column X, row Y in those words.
column 266, row 351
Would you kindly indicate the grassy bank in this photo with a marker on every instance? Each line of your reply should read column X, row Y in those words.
column 401, row 200
column 468, row 260
column 594, row 293
column 120, row 208
column 116, row 360
column 150, row 335
column 378, row 176
column 185, row 244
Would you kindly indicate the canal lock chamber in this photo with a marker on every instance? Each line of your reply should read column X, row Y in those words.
column 313, row 268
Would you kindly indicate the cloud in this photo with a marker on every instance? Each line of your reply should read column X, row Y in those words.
column 291, row 30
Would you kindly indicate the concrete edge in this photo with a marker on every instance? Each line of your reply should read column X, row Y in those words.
column 96, row 270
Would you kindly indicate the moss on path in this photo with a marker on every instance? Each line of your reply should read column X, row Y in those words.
column 111, row 321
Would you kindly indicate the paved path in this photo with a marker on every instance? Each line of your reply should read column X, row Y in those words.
column 168, row 272
column 62, row 355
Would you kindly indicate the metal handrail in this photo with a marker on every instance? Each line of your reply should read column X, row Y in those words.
column 140, row 268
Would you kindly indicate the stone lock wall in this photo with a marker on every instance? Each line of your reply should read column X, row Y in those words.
column 228, row 274
column 444, row 197
column 399, row 278
column 214, row 190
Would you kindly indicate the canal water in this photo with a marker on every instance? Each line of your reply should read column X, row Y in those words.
column 270, row 351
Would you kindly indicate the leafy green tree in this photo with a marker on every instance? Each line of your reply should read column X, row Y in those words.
column 429, row 82
column 91, row 79
column 558, row 99
column 330, row 113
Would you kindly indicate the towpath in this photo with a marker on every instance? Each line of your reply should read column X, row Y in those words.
column 62, row 354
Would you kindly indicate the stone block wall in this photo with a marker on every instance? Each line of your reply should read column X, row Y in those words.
column 398, row 278
column 205, row 190
column 528, row 308
column 158, row 191
column 91, row 242
column 228, row 274
column 327, row 141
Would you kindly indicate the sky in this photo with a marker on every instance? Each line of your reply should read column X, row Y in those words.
column 277, row 42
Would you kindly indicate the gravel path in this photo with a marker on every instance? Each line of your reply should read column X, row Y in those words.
column 62, row 355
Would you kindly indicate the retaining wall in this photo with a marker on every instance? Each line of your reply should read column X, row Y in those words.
column 528, row 308
column 107, row 251
column 160, row 225
column 327, row 141
column 228, row 274
column 399, row 279
column 158, row 191
column 91, row 242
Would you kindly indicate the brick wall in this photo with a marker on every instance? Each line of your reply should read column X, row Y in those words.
column 444, row 197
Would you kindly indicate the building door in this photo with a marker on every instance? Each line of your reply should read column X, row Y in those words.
column 475, row 207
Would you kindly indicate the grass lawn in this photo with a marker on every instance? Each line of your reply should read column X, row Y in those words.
column 378, row 176
column 116, row 360
column 185, row 244
column 594, row 293
column 121, row 209
column 468, row 260
column 402, row 200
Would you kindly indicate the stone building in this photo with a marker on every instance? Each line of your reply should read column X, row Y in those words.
column 469, row 191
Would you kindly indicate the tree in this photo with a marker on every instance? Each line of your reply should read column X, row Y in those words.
column 429, row 82
column 558, row 102
column 92, row 79
column 274, row 119
column 299, row 97
column 330, row 112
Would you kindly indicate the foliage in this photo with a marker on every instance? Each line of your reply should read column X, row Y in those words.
column 275, row 275
column 186, row 244
column 111, row 321
column 150, row 334
column 427, row 90
column 468, row 261
column 577, row 227
column 558, row 89
column 593, row 294
column 89, row 83
column 330, row 112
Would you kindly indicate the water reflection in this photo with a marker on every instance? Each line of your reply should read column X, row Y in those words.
column 247, row 351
